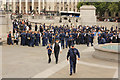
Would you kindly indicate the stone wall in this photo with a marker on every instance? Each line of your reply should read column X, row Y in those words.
column 87, row 15
column 108, row 24
column 56, row 20
column 5, row 26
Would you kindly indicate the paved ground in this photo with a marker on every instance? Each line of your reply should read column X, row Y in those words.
column 28, row 62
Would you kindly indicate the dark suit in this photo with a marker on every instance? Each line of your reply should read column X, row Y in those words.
column 72, row 54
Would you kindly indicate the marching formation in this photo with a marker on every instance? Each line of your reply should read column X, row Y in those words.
column 68, row 35
column 63, row 36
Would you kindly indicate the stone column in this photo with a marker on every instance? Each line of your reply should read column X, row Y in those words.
column 19, row 6
column 72, row 5
column 26, row 3
column 68, row 4
column 63, row 5
column 10, row 5
column 39, row 6
column 75, row 5
column 32, row 4
column 43, row 4
column 59, row 5
column 14, row 6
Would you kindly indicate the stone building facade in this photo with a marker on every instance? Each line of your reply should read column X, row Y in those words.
column 24, row 6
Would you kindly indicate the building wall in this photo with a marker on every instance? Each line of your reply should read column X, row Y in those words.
column 61, row 5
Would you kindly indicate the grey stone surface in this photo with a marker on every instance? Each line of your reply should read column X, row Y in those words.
column 106, row 54
column 84, row 71
column 5, row 26
column 27, row 62
column 88, row 15
column 55, row 21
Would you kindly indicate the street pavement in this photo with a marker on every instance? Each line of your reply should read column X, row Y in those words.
column 32, row 62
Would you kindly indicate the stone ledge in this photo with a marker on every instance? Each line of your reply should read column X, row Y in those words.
column 106, row 54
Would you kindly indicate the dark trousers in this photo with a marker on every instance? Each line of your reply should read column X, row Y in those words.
column 92, row 41
column 66, row 43
column 46, row 41
column 78, row 41
column 87, row 43
column 118, row 40
column 50, row 40
column 37, row 42
column 10, row 41
column 72, row 66
column 56, row 56
column 23, row 41
column 16, row 41
column 49, row 56
column 70, row 43
column 32, row 42
column 62, row 43
column 43, row 42
column 28, row 42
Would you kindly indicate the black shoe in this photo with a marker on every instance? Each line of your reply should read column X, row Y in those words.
column 74, row 72
column 70, row 74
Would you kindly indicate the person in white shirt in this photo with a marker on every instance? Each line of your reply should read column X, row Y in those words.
column 27, row 28
column 56, row 49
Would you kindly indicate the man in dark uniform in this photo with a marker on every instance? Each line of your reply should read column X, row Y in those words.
column 62, row 36
column 49, row 47
column 50, row 37
column 99, row 38
column 23, row 38
column 82, row 37
column 72, row 54
column 66, row 39
column 70, row 41
column 36, row 27
column 78, row 37
column 87, row 39
column 46, row 40
column 32, row 39
column 10, row 39
column 41, row 29
column 28, row 38
column 56, row 49
column 43, row 39
column 37, row 38
column 92, row 38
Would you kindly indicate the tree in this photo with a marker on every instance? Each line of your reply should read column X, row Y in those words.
column 101, row 7
column 113, row 8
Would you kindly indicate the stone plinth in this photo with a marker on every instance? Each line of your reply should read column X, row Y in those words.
column 88, row 15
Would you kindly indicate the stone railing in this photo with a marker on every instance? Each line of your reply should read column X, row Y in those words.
column 108, row 24
column 64, row 20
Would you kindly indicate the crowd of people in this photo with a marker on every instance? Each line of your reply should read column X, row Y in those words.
column 24, row 33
